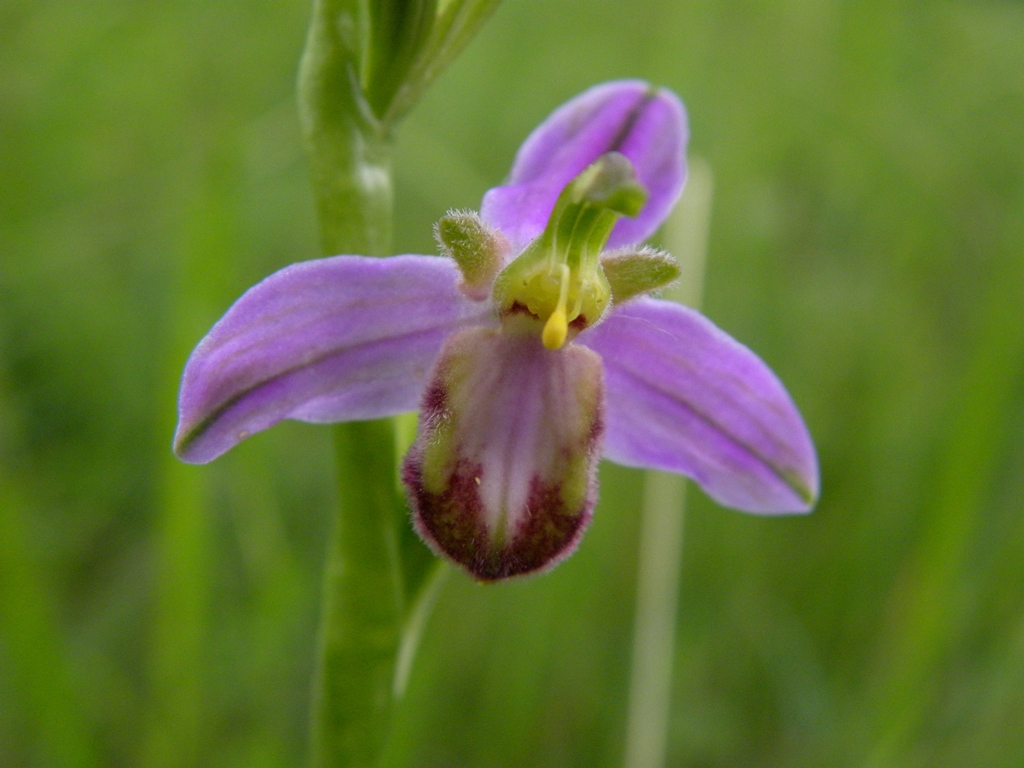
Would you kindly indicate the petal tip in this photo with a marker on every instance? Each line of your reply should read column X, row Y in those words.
column 807, row 490
column 189, row 447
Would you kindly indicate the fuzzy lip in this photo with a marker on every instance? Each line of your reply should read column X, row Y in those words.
column 502, row 475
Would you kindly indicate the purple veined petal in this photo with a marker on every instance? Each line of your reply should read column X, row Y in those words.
column 647, row 125
column 338, row 339
column 684, row 396
column 501, row 478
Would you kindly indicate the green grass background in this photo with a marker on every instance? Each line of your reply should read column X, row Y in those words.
column 867, row 240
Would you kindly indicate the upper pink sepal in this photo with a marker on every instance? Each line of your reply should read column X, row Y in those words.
column 646, row 124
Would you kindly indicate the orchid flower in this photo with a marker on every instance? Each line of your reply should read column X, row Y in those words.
column 530, row 347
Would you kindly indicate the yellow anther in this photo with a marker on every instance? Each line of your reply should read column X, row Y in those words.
column 555, row 329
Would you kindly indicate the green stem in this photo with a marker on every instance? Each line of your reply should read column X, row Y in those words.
column 363, row 605
column 363, row 596
column 349, row 149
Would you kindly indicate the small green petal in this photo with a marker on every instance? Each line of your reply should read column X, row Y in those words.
column 478, row 249
column 631, row 272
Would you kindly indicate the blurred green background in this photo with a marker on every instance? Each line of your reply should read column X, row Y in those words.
column 867, row 239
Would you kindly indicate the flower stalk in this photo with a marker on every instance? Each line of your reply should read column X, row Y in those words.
column 362, row 605
column 349, row 149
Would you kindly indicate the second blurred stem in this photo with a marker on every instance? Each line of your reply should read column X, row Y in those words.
column 661, row 532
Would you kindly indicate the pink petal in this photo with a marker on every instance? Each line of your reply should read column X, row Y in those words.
column 337, row 339
column 684, row 396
